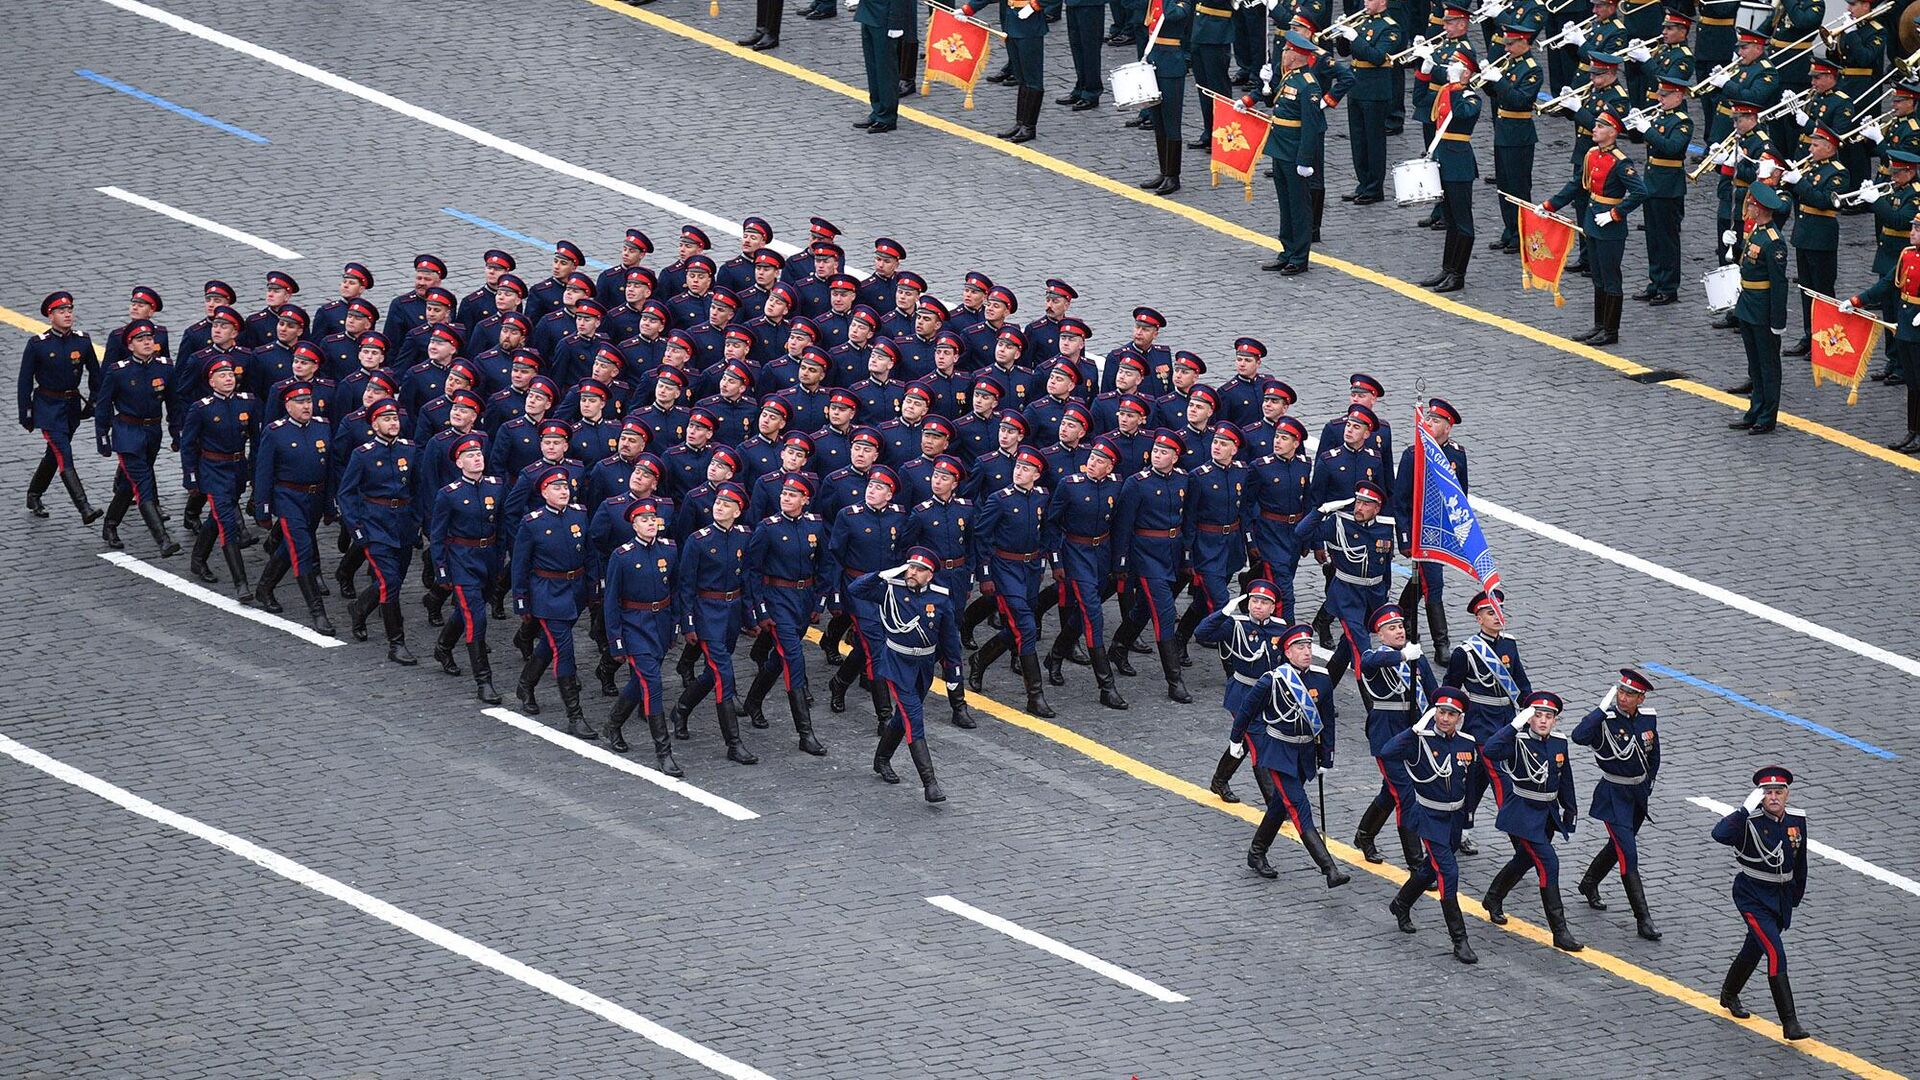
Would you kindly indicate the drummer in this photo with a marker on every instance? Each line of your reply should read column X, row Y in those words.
column 1456, row 106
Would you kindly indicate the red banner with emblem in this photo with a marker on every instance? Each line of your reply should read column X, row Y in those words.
column 1545, row 241
column 957, row 50
column 1239, row 138
column 1843, row 342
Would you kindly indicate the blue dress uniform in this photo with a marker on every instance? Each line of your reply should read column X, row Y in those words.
column 1533, row 781
column 788, row 570
column 1428, row 581
column 1667, row 138
column 1458, row 108
column 1297, row 142
column 1249, row 648
column 945, row 529
column 710, row 583
column 1009, row 556
column 860, row 540
column 376, row 496
column 129, row 407
column 1361, row 555
column 550, row 586
column 1429, row 771
column 52, row 366
column 1376, row 91
column 1079, row 538
column 1278, row 495
column 213, row 462
column 1150, row 554
column 1771, row 856
column 1495, row 682
column 292, row 489
column 1397, row 692
column 460, row 536
column 637, row 605
column 1026, row 30
column 1514, row 133
column 1216, row 538
column 1626, row 749
column 1287, row 722
column 915, row 630
column 1761, row 310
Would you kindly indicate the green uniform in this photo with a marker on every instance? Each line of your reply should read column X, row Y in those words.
column 1514, row 139
column 1666, row 181
column 1816, row 234
column 1761, row 312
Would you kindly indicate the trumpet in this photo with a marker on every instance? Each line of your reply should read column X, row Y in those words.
column 1559, row 37
column 1644, row 112
column 1785, row 105
column 1864, row 195
column 1831, row 33
column 1567, row 99
column 1323, row 36
column 1479, row 79
column 1713, row 155
column 1706, row 86
column 1414, row 49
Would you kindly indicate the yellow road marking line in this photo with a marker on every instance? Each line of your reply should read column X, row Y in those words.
column 1026, row 153
column 1605, row 961
column 31, row 325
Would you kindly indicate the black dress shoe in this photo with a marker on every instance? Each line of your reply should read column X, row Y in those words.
column 1741, row 388
column 1799, row 348
column 1070, row 99
column 1647, row 293
column 875, row 129
column 863, row 124
column 1350, row 196
column 1368, row 200
column 1393, row 131
column 765, row 43
column 1294, row 268
column 1086, row 103
column 753, row 39
column 1137, row 122
column 1880, row 376
column 1910, row 442
column 1896, row 379
column 1278, row 262
column 1663, row 299
column 1741, row 424
column 1762, row 429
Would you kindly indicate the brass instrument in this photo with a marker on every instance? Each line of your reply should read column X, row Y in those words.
column 1712, row 157
column 1559, row 37
column 1411, row 51
column 1323, row 36
column 1705, row 86
column 1785, row 105
column 1479, row 79
column 1829, row 34
column 1566, row 99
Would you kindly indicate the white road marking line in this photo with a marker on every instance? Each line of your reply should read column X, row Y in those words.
column 1851, row 862
column 593, row 752
column 445, row 123
column 199, row 222
column 1732, row 599
column 224, row 603
column 385, row 912
column 1046, row 944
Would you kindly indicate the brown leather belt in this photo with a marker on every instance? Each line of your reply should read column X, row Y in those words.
column 1218, row 530
column 143, row 421
column 716, row 594
column 1015, row 556
column 952, row 564
column 385, row 502
column 470, row 542
column 43, row 392
column 310, row 489
column 1284, row 519
column 1087, row 541
column 215, row 455
column 787, row 583
column 1158, row 534
column 563, row 575
column 650, row 605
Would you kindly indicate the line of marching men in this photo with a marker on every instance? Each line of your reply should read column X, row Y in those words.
column 858, row 455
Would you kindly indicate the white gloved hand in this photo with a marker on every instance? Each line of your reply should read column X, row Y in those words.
column 1846, row 307
column 1791, row 176
column 1303, row 170
column 1346, row 32
column 1719, row 78
column 1494, row 10
column 1639, row 122
column 1800, row 117
column 1271, row 4
column 1456, row 73
column 1426, row 64
column 1325, row 769
column 1607, row 217
column 1522, row 718
column 1424, row 49
column 1639, row 54
column 1872, row 193
column 852, row 4
column 1753, row 800
column 1916, row 320
column 1779, row 331
column 1331, row 505
column 1026, row 12
column 1492, row 74
column 1766, row 168
column 1576, row 36
column 1729, row 238
column 1266, row 73
column 1871, row 129
column 953, row 685
column 896, row 33
column 1236, row 748
column 1410, row 651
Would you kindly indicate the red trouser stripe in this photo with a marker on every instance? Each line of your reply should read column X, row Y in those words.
column 1773, row 956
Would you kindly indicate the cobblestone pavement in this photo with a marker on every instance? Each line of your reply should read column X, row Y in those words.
column 801, row 942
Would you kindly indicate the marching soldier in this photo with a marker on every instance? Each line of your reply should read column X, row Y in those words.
column 915, row 629
column 1370, row 42
column 53, row 403
column 1215, row 532
column 942, row 524
column 1297, row 146
column 461, row 532
column 709, row 582
column 292, row 489
column 215, row 294
column 787, row 571
column 1816, row 224
column 1515, row 88
column 1396, row 683
column 219, row 430
column 1762, row 308
column 1359, row 545
column 1252, row 642
column 863, row 538
column 1007, row 551
column 1488, row 668
column 1428, row 765
column 1769, row 841
column 1279, row 490
column 1027, row 59
column 550, row 587
column 638, row 601
column 376, row 502
column 1150, row 555
column 1667, row 135
column 1458, row 108
column 1427, row 582
column 1605, row 189
column 1624, row 735
column 1079, row 536
column 128, row 407
column 1287, row 722
column 1533, row 780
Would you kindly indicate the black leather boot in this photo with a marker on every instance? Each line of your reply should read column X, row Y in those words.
column 663, row 745
column 116, row 511
column 316, row 606
column 962, row 713
column 1411, row 613
column 1103, row 678
column 1456, row 279
column 357, row 611
column 1263, row 840
column 1053, row 664
column 202, row 549
column 150, row 513
column 683, row 711
column 981, row 660
column 803, row 725
column 1437, row 630
column 1783, row 1003
column 77, row 491
column 1170, row 667
column 343, row 580
column 1318, row 197
column 1036, row 690
column 482, row 665
column 1599, row 318
column 443, row 655
column 237, row 570
column 1223, row 773
column 1364, row 837
column 1402, row 906
column 1563, row 938
column 1323, row 623
column 617, row 719
column 755, row 706
column 1411, row 850
column 1457, row 930
column 883, row 756
column 1735, row 982
column 530, row 672
column 1118, row 656
column 1609, row 334
column 1172, row 150
column 923, row 764
column 1159, row 177
column 604, row 671
column 1597, row 870
column 1446, row 266
column 523, row 639
column 730, row 731
column 1637, row 900
column 1183, row 633
column 1496, row 899
column 577, row 723
column 37, row 487
column 1322, row 858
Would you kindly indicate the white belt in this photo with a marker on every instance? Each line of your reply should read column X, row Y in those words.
column 910, row 650
column 1248, row 679
column 1390, row 706
column 1629, row 781
column 1435, row 804
column 1763, row 875
column 1536, row 796
column 1354, row 579
column 1482, row 699
column 1274, row 733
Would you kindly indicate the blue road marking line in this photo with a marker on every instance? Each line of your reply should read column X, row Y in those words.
column 1742, row 700
column 512, row 234
column 151, row 99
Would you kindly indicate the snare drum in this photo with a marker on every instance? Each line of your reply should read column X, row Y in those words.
column 1135, row 86
column 1416, row 181
column 1723, row 288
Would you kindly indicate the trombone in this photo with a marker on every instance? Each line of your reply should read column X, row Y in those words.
column 1414, row 49
column 1349, row 19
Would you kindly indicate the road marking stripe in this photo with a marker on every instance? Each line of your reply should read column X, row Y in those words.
column 1779, row 714
column 398, row 918
column 1025, row 152
column 198, row 222
column 513, row 234
column 154, row 99
column 1851, row 862
column 1060, row 949
column 594, row 752
column 224, row 603
column 439, row 120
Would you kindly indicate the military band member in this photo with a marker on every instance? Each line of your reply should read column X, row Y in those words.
column 1287, row 722
column 1769, row 841
column 1814, row 187
column 1714, row 44
column 1899, row 290
column 917, row 630
column 1297, row 145
column 54, row 365
column 1434, row 54
column 1026, row 32
column 1625, row 736
column 883, row 24
column 1533, row 782
column 1751, row 78
column 1860, row 52
column 1668, row 134
column 1211, row 57
column 1894, row 202
column 1514, row 84
column 1428, row 765
column 1376, row 92
column 1671, row 59
column 638, row 601
column 1792, row 31
column 1605, row 189
column 1397, row 686
column 1762, row 308
column 1457, row 108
